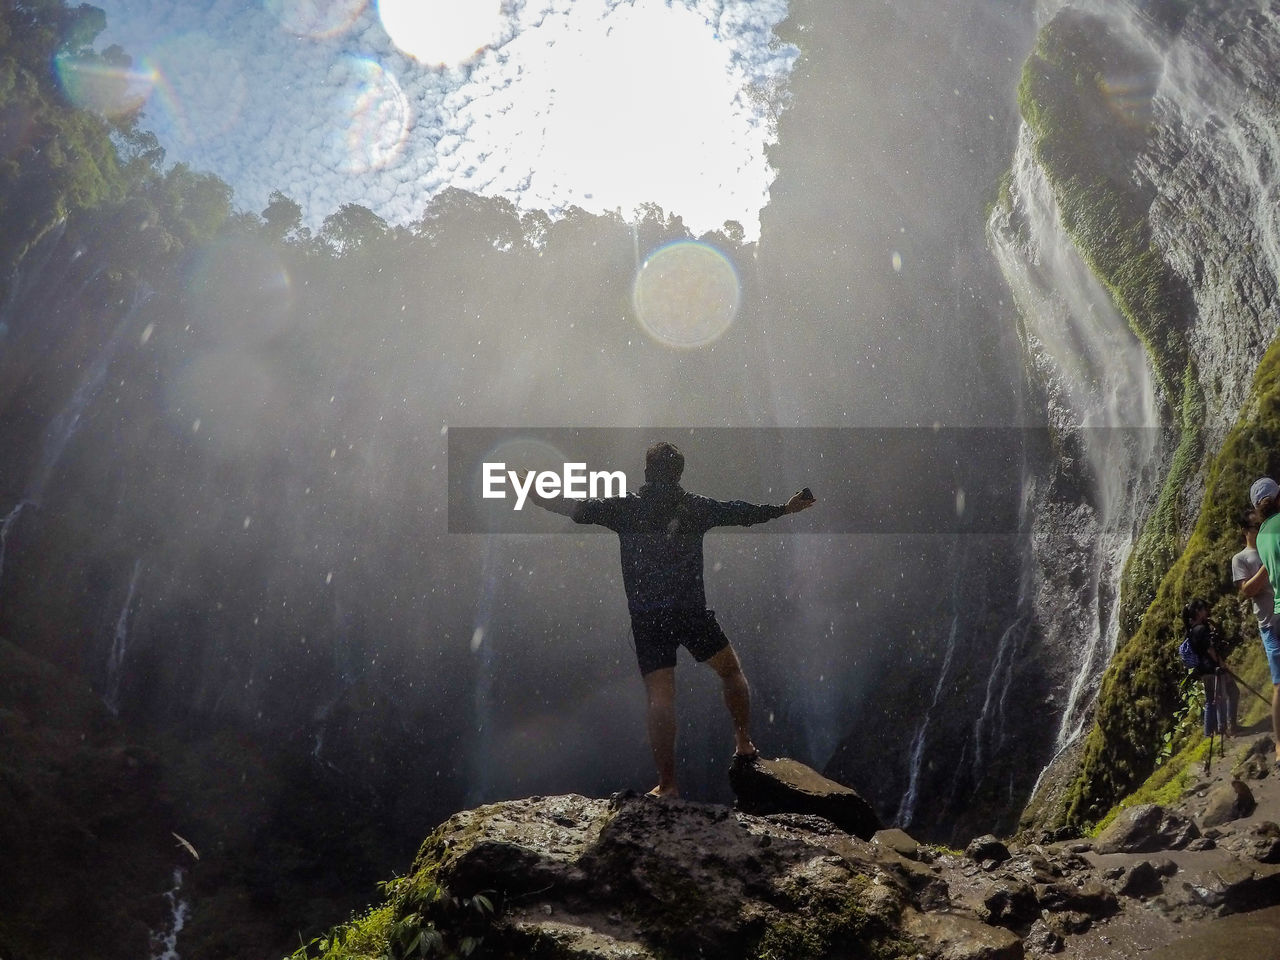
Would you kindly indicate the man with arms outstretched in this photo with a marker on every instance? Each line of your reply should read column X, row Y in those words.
column 660, row 531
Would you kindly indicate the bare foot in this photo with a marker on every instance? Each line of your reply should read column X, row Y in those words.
column 664, row 793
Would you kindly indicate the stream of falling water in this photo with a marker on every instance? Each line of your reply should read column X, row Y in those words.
column 119, row 644
column 1106, row 397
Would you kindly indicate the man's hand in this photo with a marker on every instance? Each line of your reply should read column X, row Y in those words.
column 801, row 501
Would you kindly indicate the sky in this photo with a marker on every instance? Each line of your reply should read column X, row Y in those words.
column 603, row 104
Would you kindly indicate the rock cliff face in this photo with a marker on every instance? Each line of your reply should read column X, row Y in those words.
column 76, row 791
column 1138, row 233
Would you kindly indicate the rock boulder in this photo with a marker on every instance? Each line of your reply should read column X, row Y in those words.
column 788, row 786
column 1146, row 828
column 1228, row 802
column 987, row 848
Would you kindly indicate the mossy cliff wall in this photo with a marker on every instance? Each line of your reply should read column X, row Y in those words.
column 1141, row 693
column 1154, row 126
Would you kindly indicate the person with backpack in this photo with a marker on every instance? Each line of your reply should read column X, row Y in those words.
column 1201, row 652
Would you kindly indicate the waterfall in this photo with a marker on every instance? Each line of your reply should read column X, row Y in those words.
column 907, row 806
column 6, row 526
column 66, row 422
column 990, row 725
column 165, row 945
column 349, row 669
column 1102, row 394
column 119, row 641
column 483, row 650
column 998, row 682
column 18, row 286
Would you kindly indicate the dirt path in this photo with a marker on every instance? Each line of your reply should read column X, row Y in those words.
column 1177, row 925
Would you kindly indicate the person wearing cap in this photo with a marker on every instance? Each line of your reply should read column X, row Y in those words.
column 1265, row 497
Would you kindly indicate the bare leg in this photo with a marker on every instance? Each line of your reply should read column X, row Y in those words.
column 737, row 697
column 660, row 685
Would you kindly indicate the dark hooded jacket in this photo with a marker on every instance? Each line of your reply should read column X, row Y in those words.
column 660, row 532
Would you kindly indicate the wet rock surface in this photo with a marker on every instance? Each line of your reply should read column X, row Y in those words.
column 1227, row 802
column 1146, row 828
column 786, row 785
column 635, row 877
column 987, row 848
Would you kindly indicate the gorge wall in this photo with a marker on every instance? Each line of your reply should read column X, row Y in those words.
column 1137, row 230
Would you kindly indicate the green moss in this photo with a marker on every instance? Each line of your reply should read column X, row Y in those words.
column 1065, row 100
column 1002, row 196
column 1165, row 786
column 1142, row 693
column 1172, row 779
column 1159, row 542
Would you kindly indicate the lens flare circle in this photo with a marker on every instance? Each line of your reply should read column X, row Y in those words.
column 112, row 90
column 200, row 84
column 441, row 32
column 686, row 294
column 317, row 19
column 376, row 112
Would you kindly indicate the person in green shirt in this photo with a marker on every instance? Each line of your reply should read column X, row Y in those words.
column 1251, row 579
column 1265, row 497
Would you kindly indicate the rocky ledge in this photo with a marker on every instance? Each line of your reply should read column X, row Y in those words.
column 635, row 877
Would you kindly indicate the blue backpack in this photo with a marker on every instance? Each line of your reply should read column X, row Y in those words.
column 1190, row 656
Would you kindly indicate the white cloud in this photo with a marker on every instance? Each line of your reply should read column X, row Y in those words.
column 599, row 103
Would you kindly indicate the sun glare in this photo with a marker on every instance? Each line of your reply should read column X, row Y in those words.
column 618, row 106
column 441, row 32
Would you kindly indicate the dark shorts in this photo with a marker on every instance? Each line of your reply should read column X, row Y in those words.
column 658, row 634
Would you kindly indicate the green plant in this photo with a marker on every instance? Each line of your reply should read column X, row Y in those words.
column 420, row 919
column 1192, row 705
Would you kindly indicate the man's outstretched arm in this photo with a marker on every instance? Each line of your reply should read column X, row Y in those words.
column 740, row 513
